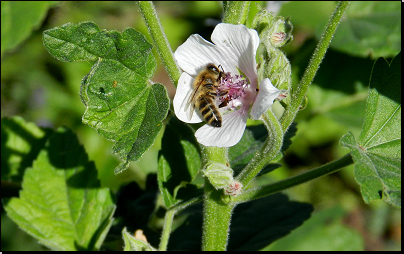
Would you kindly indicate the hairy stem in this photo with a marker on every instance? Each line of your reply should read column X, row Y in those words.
column 216, row 219
column 216, row 214
column 168, row 222
column 271, row 148
column 160, row 40
column 311, row 70
column 293, row 181
column 236, row 12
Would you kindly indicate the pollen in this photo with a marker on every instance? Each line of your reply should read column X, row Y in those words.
column 235, row 86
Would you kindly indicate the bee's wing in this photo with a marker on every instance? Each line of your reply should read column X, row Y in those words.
column 192, row 98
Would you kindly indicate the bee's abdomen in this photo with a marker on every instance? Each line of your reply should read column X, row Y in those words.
column 210, row 112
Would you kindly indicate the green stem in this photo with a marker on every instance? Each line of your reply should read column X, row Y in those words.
column 317, row 57
column 271, row 148
column 182, row 205
column 236, row 12
column 216, row 214
column 216, row 220
column 168, row 222
column 160, row 40
column 293, row 181
column 214, row 154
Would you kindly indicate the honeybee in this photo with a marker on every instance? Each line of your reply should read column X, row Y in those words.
column 203, row 95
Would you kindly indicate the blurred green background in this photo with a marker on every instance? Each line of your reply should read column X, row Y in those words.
column 45, row 91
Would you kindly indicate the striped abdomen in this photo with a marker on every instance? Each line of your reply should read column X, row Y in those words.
column 209, row 111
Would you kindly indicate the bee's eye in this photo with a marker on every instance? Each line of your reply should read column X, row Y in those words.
column 213, row 68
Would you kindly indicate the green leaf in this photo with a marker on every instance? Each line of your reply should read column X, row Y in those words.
column 179, row 161
column 61, row 203
column 134, row 244
column 122, row 104
column 86, row 42
column 370, row 28
column 377, row 153
column 14, row 28
column 21, row 143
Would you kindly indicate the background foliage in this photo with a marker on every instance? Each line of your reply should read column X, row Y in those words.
column 45, row 91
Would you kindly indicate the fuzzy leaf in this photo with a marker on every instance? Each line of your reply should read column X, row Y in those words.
column 20, row 146
column 122, row 104
column 61, row 203
column 179, row 161
column 377, row 153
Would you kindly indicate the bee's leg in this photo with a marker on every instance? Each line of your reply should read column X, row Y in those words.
column 224, row 103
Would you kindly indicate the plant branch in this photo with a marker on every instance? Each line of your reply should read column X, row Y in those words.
column 160, row 40
column 216, row 214
column 169, row 216
column 271, row 148
column 182, row 205
column 165, row 234
column 236, row 12
column 267, row 190
column 216, row 219
column 311, row 70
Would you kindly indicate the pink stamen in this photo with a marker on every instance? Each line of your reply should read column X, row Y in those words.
column 234, row 85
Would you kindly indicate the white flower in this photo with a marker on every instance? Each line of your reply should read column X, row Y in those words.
column 234, row 49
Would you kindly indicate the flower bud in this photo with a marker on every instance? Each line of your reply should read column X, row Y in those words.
column 219, row 175
column 277, row 38
column 281, row 32
column 275, row 31
column 233, row 189
column 279, row 70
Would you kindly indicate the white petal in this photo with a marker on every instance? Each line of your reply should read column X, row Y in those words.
column 184, row 90
column 195, row 53
column 228, row 135
column 265, row 98
column 240, row 45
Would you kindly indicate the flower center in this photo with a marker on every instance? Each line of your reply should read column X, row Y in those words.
column 237, row 91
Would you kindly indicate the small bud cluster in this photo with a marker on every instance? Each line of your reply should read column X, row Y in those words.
column 275, row 31
column 221, row 177
column 233, row 189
